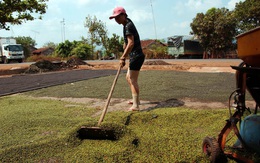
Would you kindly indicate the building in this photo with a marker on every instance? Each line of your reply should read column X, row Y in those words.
column 154, row 49
column 43, row 51
column 150, row 44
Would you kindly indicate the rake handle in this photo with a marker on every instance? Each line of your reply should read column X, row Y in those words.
column 109, row 97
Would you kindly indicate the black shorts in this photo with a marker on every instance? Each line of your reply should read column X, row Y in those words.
column 136, row 63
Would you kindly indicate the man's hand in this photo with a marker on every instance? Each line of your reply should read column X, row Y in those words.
column 122, row 62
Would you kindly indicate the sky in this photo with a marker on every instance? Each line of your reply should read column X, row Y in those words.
column 154, row 19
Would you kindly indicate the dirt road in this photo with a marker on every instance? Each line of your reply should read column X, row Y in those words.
column 191, row 65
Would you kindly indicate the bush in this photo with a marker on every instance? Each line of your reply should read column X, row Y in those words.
column 82, row 51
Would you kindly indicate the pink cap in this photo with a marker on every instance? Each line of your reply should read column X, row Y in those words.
column 117, row 11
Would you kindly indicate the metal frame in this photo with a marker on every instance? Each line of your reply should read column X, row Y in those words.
column 239, row 95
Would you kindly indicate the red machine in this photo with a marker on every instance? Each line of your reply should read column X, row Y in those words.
column 248, row 130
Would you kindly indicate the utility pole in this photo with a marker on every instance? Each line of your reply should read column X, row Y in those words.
column 12, row 32
column 35, row 32
column 63, row 30
column 153, row 20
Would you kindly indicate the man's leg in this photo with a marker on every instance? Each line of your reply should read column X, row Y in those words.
column 132, row 78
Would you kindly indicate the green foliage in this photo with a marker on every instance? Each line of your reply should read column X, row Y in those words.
column 50, row 45
column 216, row 29
column 156, row 51
column 98, row 36
column 76, row 48
column 82, row 51
column 17, row 12
column 247, row 14
column 98, row 32
column 26, row 42
column 64, row 49
column 115, row 45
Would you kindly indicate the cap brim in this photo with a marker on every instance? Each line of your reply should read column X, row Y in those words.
column 113, row 16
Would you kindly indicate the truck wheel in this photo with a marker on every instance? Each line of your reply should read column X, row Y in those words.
column 211, row 148
column 6, row 61
column 20, row 60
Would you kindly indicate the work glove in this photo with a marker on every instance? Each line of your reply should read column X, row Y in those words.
column 122, row 62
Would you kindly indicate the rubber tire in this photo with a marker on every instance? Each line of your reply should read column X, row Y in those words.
column 6, row 61
column 211, row 148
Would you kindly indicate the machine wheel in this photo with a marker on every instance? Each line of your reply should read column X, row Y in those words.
column 211, row 148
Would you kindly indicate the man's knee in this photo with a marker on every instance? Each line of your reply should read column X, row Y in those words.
column 128, row 79
column 133, row 82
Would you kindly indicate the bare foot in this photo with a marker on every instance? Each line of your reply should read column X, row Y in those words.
column 131, row 103
column 133, row 109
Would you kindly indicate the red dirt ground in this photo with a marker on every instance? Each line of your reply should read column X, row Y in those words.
column 206, row 65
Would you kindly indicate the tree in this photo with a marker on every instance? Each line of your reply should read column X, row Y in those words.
column 98, row 32
column 16, row 12
column 50, row 45
column 216, row 30
column 26, row 42
column 115, row 45
column 247, row 15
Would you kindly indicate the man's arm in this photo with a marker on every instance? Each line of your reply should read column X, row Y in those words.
column 128, row 48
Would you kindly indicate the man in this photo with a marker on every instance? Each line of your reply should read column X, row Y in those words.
column 132, row 48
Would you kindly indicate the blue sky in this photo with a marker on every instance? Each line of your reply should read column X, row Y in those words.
column 153, row 18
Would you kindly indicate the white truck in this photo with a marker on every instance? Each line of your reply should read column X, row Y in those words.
column 10, row 51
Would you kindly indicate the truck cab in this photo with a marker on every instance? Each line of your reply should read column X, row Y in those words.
column 10, row 51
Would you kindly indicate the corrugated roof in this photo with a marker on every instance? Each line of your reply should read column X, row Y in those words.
column 146, row 43
column 41, row 50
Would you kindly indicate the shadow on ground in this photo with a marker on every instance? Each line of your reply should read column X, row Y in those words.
column 166, row 104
